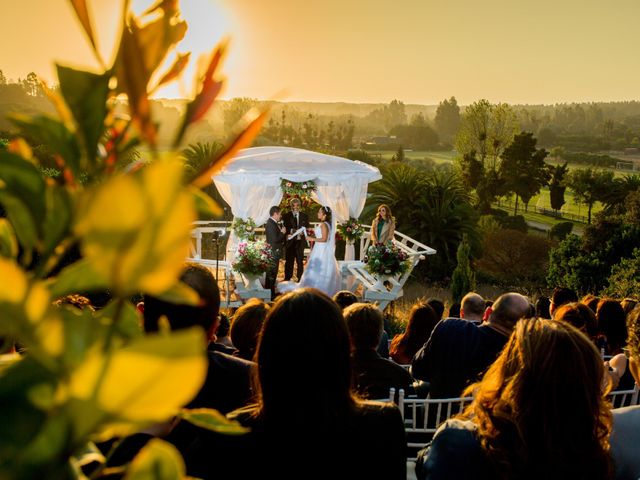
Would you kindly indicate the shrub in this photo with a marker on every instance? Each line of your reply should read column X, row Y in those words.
column 560, row 230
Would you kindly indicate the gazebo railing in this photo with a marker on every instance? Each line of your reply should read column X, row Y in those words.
column 353, row 272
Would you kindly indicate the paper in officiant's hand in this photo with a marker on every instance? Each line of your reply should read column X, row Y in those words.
column 297, row 232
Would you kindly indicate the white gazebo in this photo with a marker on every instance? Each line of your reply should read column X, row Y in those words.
column 251, row 184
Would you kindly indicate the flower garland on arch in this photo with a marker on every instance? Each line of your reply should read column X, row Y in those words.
column 298, row 189
column 244, row 229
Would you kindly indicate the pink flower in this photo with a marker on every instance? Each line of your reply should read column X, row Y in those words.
column 288, row 184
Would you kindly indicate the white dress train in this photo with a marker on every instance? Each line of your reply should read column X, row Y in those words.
column 321, row 271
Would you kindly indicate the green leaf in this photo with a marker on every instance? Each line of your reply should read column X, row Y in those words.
column 205, row 205
column 78, row 277
column 180, row 294
column 24, row 225
column 129, row 324
column 86, row 95
column 43, row 130
column 58, row 217
column 8, row 241
column 158, row 460
column 212, row 420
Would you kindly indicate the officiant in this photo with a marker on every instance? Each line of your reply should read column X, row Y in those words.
column 294, row 248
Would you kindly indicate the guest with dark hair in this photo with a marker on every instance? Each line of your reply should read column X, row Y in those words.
column 454, row 310
column 459, row 351
column 591, row 301
column 307, row 421
column 437, row 305
column 542, row 307
column 373, row 375
column 612, row 326
column 344, row 298
column 222, row 333
column 511, row 430
column 560, row 296
column 625, row 437
column 422, row 321
column 246, row 325
column 580, row 316
column 628, row 304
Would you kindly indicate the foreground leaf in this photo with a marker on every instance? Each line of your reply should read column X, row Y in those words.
column 212, row 420
column 158, row 460
column 8, row 241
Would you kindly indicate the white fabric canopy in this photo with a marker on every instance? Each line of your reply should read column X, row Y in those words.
column 250, row 183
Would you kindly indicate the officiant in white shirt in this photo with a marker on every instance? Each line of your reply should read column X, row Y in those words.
column 294, row 248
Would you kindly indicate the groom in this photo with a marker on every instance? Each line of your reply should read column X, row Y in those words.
column 275, row 238
column 294, row 249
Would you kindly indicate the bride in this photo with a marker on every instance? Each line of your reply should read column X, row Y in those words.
column 322, row 268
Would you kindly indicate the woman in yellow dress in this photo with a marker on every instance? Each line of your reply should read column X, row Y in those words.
column 384, row 225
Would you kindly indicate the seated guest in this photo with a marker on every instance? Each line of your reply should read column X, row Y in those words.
column 437, row 306
column 454, row 310
column 222, row 334
column 246, row 325
column 534, row 414
column 561, row 296
column 591, row 301
column 228, row 382
column 344, row 298
column 472, row 307
column 307, row 422
column 459, row 351
column 422, row 321
column 542, row 308
column 612, row 326
column 628, row 304
column 580, row 316
column 625, row 437
column 373, row 375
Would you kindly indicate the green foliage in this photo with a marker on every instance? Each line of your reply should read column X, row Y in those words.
column 589, row 186
column 557, row 185
column 447, row 119
column 561, row 230
column 516, row 222
column 416, row 137
column 624, row 280
column 462, row 279
column 94, row 375
column 399, row 156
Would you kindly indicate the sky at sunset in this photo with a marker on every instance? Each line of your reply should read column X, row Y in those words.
column 418, row 51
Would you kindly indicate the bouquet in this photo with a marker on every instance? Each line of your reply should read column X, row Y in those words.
column 253, row 258
column 298, row 189
column 244, row 229
column 386, row 259
column 350, row 230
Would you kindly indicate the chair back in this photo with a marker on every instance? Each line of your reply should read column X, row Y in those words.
column 625, row 398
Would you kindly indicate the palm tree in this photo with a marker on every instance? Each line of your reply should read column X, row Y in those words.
column 197, row 155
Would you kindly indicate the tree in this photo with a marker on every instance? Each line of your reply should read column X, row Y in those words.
column 557, row 186
column 485, row 132
column 31, row 85
column 447, row 119
column 523, row 168
column 589, row 186
column 624, row 280
column 235, row 109
column 399, row 156
column 557, row 153
column 3, row 79
column 462, row 279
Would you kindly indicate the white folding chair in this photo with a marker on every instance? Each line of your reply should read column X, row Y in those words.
column 625, row 398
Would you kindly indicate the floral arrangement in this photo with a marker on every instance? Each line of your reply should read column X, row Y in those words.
column 253, row 258
column 350, row 230
column 386, row 259
column 298, row 189
column 244, row 229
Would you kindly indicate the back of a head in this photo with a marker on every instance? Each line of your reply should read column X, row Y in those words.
column 540, row 409
column 224, row 326
column 612, row 323
column 454, row 310
column 437, row 305
column 246, row 325
column 633, row 323
column 422, row 320
column 201, row 280
column 508, row 309
column 304, row 351
column 562, row 295
column 365, row 323
column 344, row 298
column 542, row 308
column 580, row 316
column 472, row 305
column 628, row 304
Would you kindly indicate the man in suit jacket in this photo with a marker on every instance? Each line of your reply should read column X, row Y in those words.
column 275, row 238
column 294, row 248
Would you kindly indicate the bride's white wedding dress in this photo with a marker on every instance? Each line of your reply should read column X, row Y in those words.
column 321, row 271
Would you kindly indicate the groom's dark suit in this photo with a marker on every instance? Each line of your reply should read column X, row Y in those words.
column 294, row 249
column 275, row 238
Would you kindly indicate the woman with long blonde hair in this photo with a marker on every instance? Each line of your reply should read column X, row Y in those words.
column 538, row 413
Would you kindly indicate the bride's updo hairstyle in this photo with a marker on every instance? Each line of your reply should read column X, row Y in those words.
column 327, row 211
